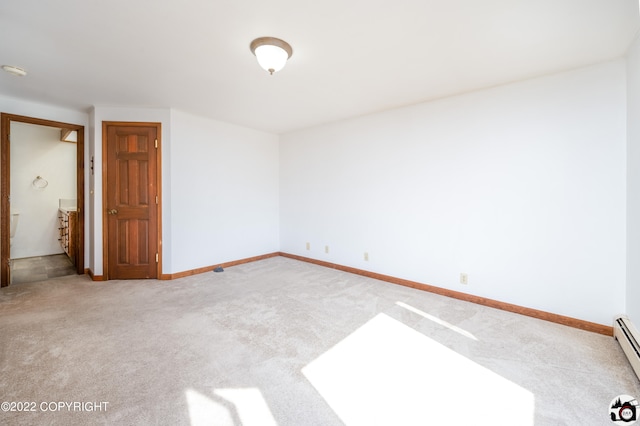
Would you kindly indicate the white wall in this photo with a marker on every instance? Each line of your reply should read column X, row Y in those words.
column 38, row 151
column 522, row 187
column 224, row 186
column 39, row 110
column 633, row 182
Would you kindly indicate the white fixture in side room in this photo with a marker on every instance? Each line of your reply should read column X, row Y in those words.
column 464, row 278
column 366, row 256
column 308, row 246
column 13, row 226
column 272, row 53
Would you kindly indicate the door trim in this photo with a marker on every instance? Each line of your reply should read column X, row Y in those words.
column 5, row 186
column 105, row 237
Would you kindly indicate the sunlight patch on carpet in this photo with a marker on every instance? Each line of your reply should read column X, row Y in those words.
column 388, row 373
column 228, row 405
column 250, row 406
column 437, row 320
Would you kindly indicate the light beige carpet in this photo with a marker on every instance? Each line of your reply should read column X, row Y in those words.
column 289, row 343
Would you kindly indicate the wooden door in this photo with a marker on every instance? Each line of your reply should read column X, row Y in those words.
column 131, row 200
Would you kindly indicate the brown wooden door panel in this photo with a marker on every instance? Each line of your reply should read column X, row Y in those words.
column 131, row 210
column 132, row 257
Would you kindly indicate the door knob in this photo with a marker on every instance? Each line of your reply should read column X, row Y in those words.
column 112, row 211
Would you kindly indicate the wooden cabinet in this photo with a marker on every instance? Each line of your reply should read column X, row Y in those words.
column 67, row 226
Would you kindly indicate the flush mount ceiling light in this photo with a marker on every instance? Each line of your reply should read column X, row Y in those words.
column 14, row 70
column 272, row 53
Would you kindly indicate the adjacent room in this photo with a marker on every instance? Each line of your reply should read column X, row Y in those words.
column 336, row 213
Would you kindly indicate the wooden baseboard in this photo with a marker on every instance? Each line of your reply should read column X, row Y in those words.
column 211, row 268
column 534, row 313
column 547, row 316
column 94, row 277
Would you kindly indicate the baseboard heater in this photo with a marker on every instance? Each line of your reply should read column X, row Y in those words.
column 629, row 339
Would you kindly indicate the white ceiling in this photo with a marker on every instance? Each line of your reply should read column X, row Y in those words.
column 351, row 57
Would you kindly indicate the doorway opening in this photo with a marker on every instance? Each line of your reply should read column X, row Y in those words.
column 41, row 197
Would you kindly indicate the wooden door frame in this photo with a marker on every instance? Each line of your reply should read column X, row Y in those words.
column 5, row 187
column 105, row 228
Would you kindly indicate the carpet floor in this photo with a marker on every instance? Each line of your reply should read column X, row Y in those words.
column 289, row 343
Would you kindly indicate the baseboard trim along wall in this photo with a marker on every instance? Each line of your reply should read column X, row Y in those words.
column 547, row 316
column 94, row 277
column 534, row 313
column 221, row 265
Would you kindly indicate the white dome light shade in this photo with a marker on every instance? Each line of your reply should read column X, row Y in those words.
column 272, row 53
column 271, row 58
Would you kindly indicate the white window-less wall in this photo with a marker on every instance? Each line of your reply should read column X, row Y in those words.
column 224, row 186
column 522, row 187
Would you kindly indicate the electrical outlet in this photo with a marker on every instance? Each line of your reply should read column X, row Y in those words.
column 464, row 279
column 326, row 249
column 366, row 256
column 308, row 246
